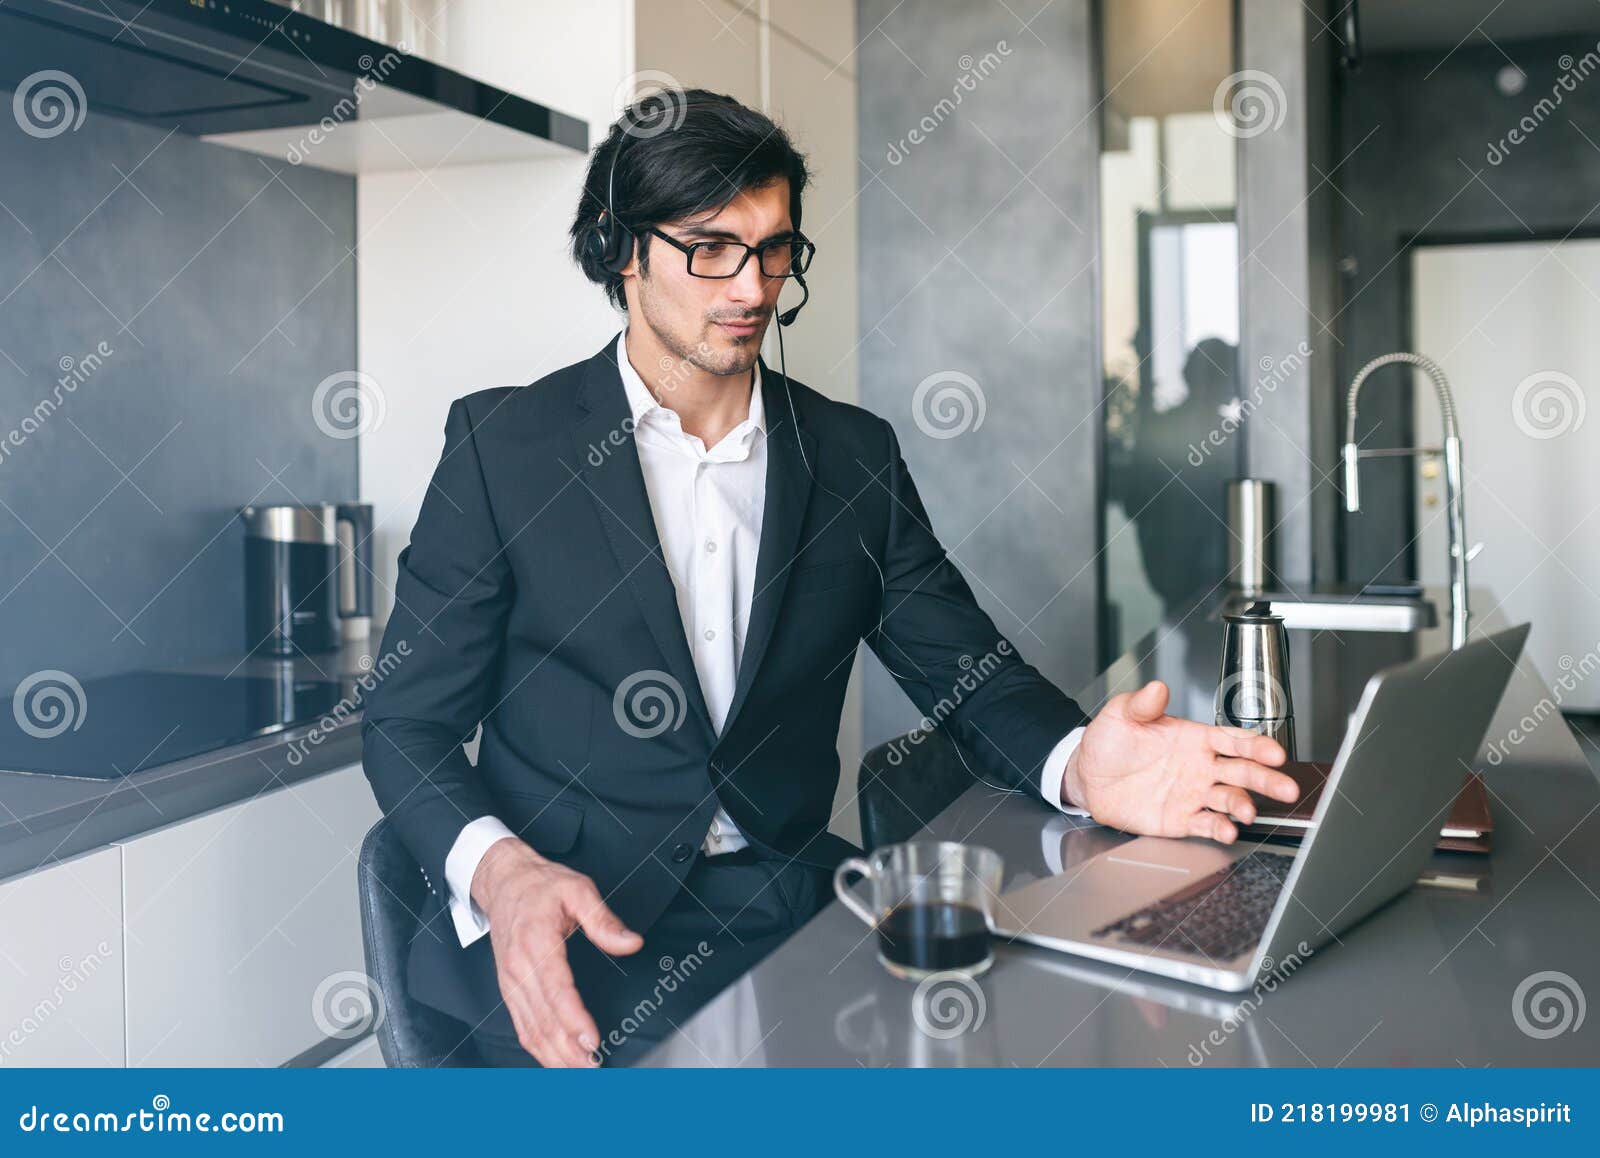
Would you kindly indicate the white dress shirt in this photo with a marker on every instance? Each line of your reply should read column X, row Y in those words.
column 708, row 505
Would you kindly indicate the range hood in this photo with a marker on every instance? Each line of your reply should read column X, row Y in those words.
column 256, row 76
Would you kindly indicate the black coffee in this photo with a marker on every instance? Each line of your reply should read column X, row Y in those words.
column 934, row 935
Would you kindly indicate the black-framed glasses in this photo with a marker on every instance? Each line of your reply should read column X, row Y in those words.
column 786, row 257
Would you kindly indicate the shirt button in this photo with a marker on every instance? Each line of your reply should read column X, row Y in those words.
column 710, row 634
column 711, row 547
column 681, row 852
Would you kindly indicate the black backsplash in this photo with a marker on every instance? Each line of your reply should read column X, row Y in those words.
column 168, row 308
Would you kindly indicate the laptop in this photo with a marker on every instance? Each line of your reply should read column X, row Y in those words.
column 1221, row 915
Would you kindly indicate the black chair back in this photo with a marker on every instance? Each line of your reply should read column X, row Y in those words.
column 905, row 783
column 410, row 1034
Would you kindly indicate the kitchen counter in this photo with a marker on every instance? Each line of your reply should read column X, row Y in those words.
column 1463, row 976
column 46, row 818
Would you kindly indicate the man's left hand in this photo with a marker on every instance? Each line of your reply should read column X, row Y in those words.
column 1143, row 771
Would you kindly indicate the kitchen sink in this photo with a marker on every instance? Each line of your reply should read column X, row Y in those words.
column 1349, row 611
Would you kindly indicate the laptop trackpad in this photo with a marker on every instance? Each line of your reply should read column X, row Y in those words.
column 1110, row 886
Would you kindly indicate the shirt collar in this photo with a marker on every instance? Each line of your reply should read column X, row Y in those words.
column 641, row 402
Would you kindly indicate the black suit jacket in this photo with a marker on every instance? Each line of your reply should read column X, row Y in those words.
column 533, row 598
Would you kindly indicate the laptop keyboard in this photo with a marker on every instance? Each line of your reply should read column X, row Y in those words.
column 1218, row 917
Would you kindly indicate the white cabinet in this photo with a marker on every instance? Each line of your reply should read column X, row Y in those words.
column 61, row 964
column 242, row 927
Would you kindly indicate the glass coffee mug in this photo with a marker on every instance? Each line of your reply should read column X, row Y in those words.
column 932, row 904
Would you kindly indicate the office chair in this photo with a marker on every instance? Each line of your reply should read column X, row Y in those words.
column 410, row 1034
column 905, row 783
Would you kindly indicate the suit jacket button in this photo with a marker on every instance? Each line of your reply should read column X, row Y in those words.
column 682, row 852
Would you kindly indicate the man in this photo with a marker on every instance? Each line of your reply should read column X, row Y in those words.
column 647, row 575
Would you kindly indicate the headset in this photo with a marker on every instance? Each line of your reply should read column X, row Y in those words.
column 610, row 244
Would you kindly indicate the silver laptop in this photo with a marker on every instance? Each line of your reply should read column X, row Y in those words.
column 1220, row 915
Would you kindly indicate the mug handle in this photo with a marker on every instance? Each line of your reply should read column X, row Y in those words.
column 854, row 864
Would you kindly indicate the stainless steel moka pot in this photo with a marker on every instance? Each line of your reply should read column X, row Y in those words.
column 1254, row 688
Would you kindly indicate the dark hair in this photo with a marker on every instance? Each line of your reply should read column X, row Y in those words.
column 682, row 152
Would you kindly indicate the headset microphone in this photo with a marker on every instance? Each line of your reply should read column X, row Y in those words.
column 789, row 315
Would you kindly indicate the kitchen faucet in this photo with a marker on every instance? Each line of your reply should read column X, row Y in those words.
column 1452, row 475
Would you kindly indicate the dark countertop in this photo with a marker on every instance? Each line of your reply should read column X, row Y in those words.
column 1440, row 977
column 44, row 818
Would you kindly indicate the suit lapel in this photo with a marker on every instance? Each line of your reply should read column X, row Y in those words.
column 788, row 493
column 609, row 470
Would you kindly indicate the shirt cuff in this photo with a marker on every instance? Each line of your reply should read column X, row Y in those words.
column 460, row 866
column 1055, row 770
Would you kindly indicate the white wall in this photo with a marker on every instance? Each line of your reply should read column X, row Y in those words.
column 463, row 279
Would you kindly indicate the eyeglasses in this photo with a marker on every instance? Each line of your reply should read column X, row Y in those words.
column 723, row 259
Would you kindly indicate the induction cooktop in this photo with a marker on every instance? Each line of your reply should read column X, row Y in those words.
column 107, row 728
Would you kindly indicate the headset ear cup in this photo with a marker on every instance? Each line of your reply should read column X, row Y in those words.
column 619, row 250
column 595, row 245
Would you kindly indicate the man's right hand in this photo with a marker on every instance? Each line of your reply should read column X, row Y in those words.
column 533, row 905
